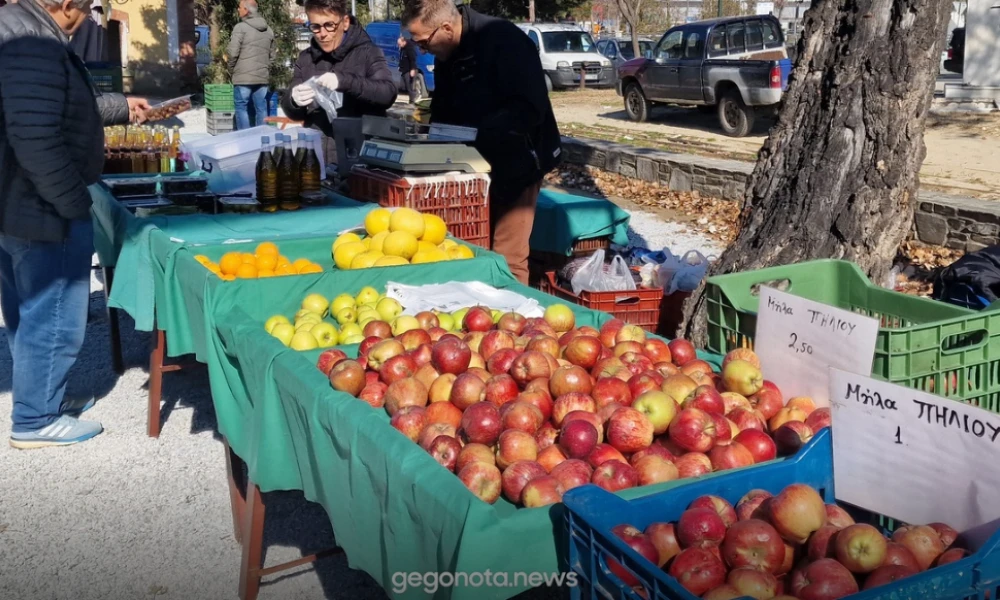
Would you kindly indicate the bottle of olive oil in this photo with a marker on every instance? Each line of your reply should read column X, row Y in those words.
column 309, row 167
column 288, row 177
column 267, row 177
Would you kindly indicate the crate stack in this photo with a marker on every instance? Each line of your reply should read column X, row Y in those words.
column 221, row 108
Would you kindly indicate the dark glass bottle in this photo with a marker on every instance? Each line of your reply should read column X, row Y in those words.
column 309, row 167
column 267, row 177
column 288, row 177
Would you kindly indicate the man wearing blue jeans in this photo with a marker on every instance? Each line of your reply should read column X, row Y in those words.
column 251, row 50
column 51, row 149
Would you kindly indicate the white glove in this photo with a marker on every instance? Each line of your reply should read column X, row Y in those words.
column 303, row 95
column 329, row 81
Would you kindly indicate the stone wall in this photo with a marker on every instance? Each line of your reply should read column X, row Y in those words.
column 958, row 222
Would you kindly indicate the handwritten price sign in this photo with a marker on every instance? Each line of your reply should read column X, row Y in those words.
column 913, row 456
column 798, row 340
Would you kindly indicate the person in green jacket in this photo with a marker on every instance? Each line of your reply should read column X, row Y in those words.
column 251, row 50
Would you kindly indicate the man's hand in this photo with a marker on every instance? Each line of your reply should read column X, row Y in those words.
column 303, row 95
column 329, row 81
column 413, row 73
column 137, row 108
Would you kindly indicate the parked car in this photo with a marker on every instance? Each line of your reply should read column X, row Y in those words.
column 619, row 50
column 565, row 50
column 956, row 51
column 736, row 66
column 385, row 34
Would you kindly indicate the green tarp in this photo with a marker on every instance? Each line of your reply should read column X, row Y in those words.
column 562, row 219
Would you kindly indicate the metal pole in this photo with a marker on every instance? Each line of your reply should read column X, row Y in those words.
column 720, row 8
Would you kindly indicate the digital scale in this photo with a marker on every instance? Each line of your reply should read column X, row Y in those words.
column 419, row 148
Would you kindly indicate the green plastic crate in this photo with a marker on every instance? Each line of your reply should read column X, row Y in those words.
column 923, row 344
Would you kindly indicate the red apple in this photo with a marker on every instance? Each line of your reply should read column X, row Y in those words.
column 706, row 398
column 636, row 363
column 822, row 544
column 747, row 419
column 583, row 351
column 544, row 344
column 700, row 527
column 523, row 416
column 630, row 333
column 501, row 389
column 383, row 351
column 474, row 453
column 514, row 445
column 478, row 319
column 328, row 358
column 436, row 333
column 481, row 423
column 409, row 421
column 611, row 367
column 655, row 450
column 440, row 388
column 666, row 369
column 512, row 322
column 431, row 431
column 546, row 436
column 495, row 341
column 403, row 393
column 803, row 403
column 696, row 366
column 530, row 365
column 414, row 338
column 348, row 376
column 374, row 394
column 679, row 387
column 767, row 401
column 483, row 480
column 723, row 592
column 421, row 356
column 825, row 579
column 682, row 352
column 569, row 379
column 589, row 417
column 614, row 476
column 396, row 368
column 742, row 377
column 693, row 464
column 477, row 362
column 664, row 537
column 647, row 381
column 611, row 390
column 602, row 453
column 445, row 450
column 609, row 330
column 818, row 419
column 730, row 456
column 501, row 361
column 567, row 403
column 572, row 473
column 637, row 541
column 517, row 475
column 658, row 408
column 898, row 554
column 539, row 399
column 785, row 415
column 753, row 582
column 723, row 429
column 657, row 350
column 427, row 320
column 450, row 356
column 760, row 445
column 734, row 401
column 467, row 390
column 379, row 329
column 887, row 574
column 655, row 469
column 946, row 532
column 693, row 430
column 698, row 570
column 427, row 375
column 950, row 556
column 541, row 491
column 923, row 542
column 753, row 505
column 478, row 372
column 790, row 437
column 550, row 457
column 720, row 505
column 577, row 438
column 838, row 517
column 629, row 430
column 797, row 512
column 860, row 547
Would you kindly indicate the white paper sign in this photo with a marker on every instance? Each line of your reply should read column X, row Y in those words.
column 916, row 457
column 798, row 340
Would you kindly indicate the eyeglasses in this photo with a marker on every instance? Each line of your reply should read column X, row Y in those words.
column 427, row 40
column 330, row 26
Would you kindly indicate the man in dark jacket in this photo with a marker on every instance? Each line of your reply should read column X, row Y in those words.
column 51, row 149
column 408, row 67
column 251, row 50
column 487, row 75
column 342, row 58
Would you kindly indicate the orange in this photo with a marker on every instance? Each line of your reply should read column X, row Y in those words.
column 285, row 269
column 228, row 276
column 247, row 271
column 311, row 268
column 229, row 262
column 249, row 259
column 269, row 248
column 265, row 273
column 203, row 259
column 267, row 262
column 214, row 268
column 283, row 260
column 299, row 263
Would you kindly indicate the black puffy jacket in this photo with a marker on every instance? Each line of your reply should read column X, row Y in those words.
column 52, row 122
column 495, row 83
column 363, row 75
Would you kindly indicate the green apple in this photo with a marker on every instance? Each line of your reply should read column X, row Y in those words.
column 350, row 330
column 446, row 321
column 367, row 311
column 276, row 319
column 496, row 316
column 307, row 315
column 458, row 316
column 305, row 326
column 326, row 335
column 284, row 332
column 316, row 303
column 341, row 302
column 347, row 315
column 404, row 323
column 352, row 339
column 363, row 322
column 303, row 340
column 367, row 295
column 389, row 309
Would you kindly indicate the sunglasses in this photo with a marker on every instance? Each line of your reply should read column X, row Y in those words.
column 330, row 26
column 427, row 40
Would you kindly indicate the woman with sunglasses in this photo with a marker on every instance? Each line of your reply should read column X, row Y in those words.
column 343, row 58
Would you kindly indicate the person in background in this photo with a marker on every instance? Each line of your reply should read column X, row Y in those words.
column 408, row 67
column 52, row 122
column 487, row 75
column 341, row 57
column 251, row 50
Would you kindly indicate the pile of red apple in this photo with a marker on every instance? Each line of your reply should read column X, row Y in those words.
column 782, row 547
column 530, row 408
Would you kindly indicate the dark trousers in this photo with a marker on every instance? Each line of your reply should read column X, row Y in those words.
column 411, row 87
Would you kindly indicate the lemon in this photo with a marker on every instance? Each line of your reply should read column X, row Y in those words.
column 429, row 256
column 408, row 220
column 447, row 244
column 425, row 246
column 435, row 229
column 367, row 242
column 377, row 239
column 377, row 221
column 343, row 255
column 364, row 260
column 344, row 238
column 400, row 243
column 391, row 261
column 459, row 252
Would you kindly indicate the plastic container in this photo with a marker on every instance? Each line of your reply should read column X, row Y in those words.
column 230, row 160
column 923, row 344
column 639, row 307
column 169, row 108
column 184, row 185
column 591, row 513
column 462, row 200
column 238, row 205
column 132, row 187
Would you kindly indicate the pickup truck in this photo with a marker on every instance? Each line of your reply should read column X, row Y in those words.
column 736, row 66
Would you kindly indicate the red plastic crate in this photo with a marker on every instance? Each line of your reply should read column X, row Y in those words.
column 461, row 200
column 639, row 307
column 540, row 261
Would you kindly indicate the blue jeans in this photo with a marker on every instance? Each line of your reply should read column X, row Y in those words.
column 44, row 296
column 243, row 96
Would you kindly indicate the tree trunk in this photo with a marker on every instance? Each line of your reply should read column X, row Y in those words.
column 630, row 11
column 838, row 174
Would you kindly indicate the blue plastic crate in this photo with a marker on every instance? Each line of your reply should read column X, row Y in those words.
column 592, row 513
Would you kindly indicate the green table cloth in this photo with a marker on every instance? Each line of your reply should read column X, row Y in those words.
column 140, row 249
column 563, row 219
column 394, row 510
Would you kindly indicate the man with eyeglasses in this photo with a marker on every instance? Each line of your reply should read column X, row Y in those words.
column 487, row 75
column 341, row 57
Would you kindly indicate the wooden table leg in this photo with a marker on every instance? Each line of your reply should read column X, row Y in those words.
column 253, row 543
column 117, row 363
column 237, row 490
column 155, row 383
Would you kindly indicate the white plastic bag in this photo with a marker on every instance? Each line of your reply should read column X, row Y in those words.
column 594, row 277
column 328, row 100
column 687, row 273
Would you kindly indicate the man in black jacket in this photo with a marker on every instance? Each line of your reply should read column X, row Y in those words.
column 408, row 66
column 487, row 75
column 341, row 57
column 52, row 122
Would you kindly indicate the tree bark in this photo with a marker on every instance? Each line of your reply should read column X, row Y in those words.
column 630, row 10
column 838, row 174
